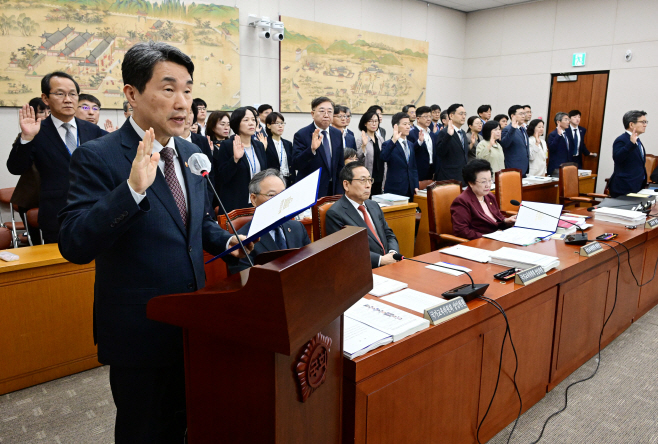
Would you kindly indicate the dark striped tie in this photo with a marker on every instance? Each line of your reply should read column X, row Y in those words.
column 167, row 154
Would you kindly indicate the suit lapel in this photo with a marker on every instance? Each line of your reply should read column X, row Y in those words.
column 370, row 205
column 268, row 242
column 83, row 133
column 353, row 214
column 195, row 201
column 51, row 132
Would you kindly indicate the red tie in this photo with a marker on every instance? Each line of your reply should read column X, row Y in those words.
column 362, row 209
column 167, row 154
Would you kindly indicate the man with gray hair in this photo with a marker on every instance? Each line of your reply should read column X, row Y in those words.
column 291, row 234
column 559, row 150
column 629, row 155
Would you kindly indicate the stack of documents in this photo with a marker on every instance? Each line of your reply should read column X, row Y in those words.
column 512, row 257
column 390, row 199
column 538, row 179
column 534, row 221
column 584, row 172
column 360, row 338
column 470, row 253
column 413, row 300
column 620, row 216
column 383, row 286
column 390, row 320
column 564, row 227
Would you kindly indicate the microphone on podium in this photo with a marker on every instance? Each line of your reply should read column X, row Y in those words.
column 467, row 291
column 200, row 166
column 570, row 239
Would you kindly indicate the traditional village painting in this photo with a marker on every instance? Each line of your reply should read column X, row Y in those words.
column 88, row 39
column 353, row 68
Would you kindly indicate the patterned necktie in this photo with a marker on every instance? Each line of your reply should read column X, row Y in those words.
column 575, row 141
column 279, row 238
column 462, row 137
column 405, row 148
column 71, row 141
column 639, row 144
column 327, row 150
column 362, row 209
column 167, row 154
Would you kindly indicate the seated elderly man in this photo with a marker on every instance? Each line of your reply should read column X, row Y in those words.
column 356, row 210
column 291, row 234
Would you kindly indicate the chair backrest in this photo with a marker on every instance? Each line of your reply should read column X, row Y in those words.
column 508, row 186
column 650, row 164
column 440, row 196
column 319, row 214
column 423, row 184
column 5, row 195
column 33, row 218
column 568, row 185
column 239, row 217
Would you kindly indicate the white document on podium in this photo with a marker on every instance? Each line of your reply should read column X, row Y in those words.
column 530, row 225
column 282, row 207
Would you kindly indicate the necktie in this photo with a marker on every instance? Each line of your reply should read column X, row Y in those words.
column 279, row 238
column 405, row 148
column 327, row 150
column 71, row 142
column 462, row 136
column 639, row 144
column 167, row 154
column 575, row 141
column 362, row 209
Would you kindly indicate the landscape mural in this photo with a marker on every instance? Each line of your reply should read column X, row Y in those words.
column 89, row 38
column 352, row 67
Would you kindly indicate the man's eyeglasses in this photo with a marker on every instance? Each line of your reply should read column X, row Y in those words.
column 60, row 95
column 87, row 108
column 328, row 112
column 267, row 196
column 364, row 180
column 343, row 117
column 644, row 122
column 200, row 108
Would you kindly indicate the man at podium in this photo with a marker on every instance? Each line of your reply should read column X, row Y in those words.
column 355, row 209
column 291, row 234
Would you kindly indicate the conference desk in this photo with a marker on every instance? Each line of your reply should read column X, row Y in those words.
column 46, row 327
column 435, row 385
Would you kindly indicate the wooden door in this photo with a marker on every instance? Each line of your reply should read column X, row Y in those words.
column 587, row 94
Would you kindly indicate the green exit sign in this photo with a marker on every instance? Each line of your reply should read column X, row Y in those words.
column 578, row 59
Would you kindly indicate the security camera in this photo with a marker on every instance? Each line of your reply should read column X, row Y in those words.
column 277, row 36
column 264, row 34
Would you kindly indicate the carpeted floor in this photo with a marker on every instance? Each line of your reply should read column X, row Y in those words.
column 619, row 405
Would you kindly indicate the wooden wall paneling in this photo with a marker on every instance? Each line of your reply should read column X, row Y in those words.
column 402, row 220
column 531, row 324
column 648, row 293
column 594, row 122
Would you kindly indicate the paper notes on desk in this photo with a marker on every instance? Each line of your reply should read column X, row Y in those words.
column 516, row 258
column 390, row 320
column 413, row 300
column 359, row 338
column 384, row 286
column 470, row 253
column 518, row 236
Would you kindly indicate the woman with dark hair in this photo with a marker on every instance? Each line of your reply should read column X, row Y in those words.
column 41, row 110
column 502, row 119
column 368, row 148
column 218, row 126
column 279, row 150
column 239, row 158
column 473, row 135
column 490, row 149
column 538, row 148
column 475, row 211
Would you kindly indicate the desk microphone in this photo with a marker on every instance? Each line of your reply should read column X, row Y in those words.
column 570, row 239
column 200, row 165
column 466, row 291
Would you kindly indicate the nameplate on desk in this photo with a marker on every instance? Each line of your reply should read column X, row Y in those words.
column 529, row 275
column 591, row 249
column 445, row 310
column 651, row 223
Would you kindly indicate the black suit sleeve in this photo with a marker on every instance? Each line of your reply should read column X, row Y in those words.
column 391, row 240
column 20, row 157
column 334, row 223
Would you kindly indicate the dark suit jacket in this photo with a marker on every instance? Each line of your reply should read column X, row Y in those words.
column 468, row 218
column 51, row 157
column 629, row 175
column 204, row 146
column 425, row 170
column 516, row 148
column 141, row 251
column 401, row 176
column 343, row 213
column 350, row 141
column 273, row 160
column 451, row 156
column 558, row 151
column 236, row 176
column 305, row 162
column 582, row 149
column 296, row 237
column 432, row 125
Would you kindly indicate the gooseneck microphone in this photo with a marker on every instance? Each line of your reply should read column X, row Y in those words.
column 466, row 291
column 570, row 239
column 200, row 165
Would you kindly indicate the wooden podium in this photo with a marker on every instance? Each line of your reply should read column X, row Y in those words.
column 264, row 363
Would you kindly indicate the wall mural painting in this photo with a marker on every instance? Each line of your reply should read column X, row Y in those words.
column 88, row 39
column 352, row 67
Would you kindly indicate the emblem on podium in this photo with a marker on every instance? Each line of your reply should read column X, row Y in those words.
column 311, row 368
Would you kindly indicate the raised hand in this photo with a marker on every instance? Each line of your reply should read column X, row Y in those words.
column 474, row 138
column 396, row 134
column 560, row 131
column 316, row 139
column 436, row 128
column 451, row 129
column 262, row 139
column 238, row 149
column 364, row 139
column 109, row 126
column 210, row 143
column 421, row 136
column 30, row 125
column 145, row 165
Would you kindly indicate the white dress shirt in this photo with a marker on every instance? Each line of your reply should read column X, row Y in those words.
column 61, row 130
column 641, row 145
column 328, row 139
column 428, row 141
column 202, row 129
column 356, row 207
column 576, row 138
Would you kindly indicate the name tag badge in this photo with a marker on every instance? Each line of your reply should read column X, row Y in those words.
column 591, row 249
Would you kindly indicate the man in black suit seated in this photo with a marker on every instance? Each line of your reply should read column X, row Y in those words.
column 356, row 210
column 48, row 144
column 291, row 234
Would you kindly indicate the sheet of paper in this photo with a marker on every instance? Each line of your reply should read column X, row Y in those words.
column 357, row 336
column 413, row 300
column 390, row 320
column 445, row 270
column 470, row 253
column 383, row 285
column 518, row 236
column 536, row 220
